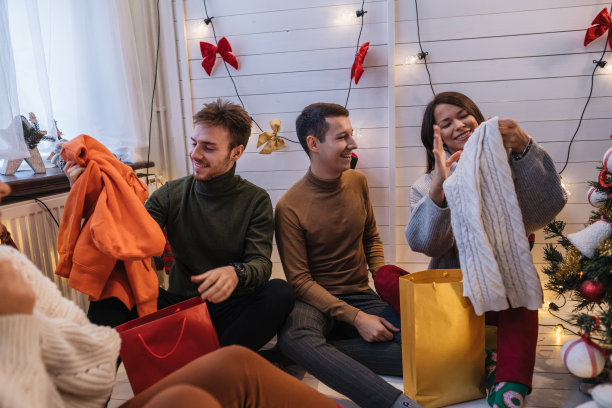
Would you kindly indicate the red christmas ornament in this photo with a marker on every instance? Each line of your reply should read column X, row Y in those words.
column 357, row 68
column 593, row 291
column 209, row 53
column 601, row 24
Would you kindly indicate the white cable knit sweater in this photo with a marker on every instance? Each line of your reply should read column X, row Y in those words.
column 54, row 357
column 498, row 270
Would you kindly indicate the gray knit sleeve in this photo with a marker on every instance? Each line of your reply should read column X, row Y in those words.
column 538, row 188
column 429, row 229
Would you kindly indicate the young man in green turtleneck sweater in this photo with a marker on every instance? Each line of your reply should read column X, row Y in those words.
column 339, row 330
column 220, row 229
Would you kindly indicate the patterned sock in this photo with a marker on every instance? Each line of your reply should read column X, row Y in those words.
column 490, row 367
column 507, row 395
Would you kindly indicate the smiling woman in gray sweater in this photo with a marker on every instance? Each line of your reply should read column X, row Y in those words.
column 448, row 122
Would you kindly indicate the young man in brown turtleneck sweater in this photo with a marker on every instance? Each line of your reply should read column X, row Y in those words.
column 339, row 330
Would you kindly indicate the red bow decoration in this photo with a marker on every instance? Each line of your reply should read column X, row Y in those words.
column 209, row 53
column 601, row 24
column 357, row 68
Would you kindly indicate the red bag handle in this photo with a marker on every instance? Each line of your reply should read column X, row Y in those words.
column 173, row 348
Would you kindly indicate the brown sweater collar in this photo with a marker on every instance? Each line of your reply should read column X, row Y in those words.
column 323, row 184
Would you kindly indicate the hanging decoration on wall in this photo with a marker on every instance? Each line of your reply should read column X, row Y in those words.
column 209, row 53
column 601, row 23
column 357, row 68
column 271, row 140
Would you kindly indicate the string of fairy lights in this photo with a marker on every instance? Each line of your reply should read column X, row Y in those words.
column 360, row 13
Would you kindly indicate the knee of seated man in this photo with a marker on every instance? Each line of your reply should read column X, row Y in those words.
column 282, row 294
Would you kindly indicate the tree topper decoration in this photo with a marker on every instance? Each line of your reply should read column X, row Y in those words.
column 271, row 139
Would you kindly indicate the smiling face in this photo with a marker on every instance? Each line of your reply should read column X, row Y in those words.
column 210, row 152
column 456, row 125
column 333, row 156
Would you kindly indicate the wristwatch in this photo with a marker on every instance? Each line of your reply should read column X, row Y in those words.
column 240, row 272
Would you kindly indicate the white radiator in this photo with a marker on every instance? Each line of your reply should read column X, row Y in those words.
column 35, row 234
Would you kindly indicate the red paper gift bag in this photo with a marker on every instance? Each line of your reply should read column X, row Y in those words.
column 160, row 343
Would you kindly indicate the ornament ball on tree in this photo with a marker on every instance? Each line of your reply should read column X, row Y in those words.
column 582, row 358
column 593, row 291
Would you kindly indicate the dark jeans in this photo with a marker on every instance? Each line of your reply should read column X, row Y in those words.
column 249, row 320
column 337, row 355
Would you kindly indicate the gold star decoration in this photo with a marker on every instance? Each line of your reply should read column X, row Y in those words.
column 271, row 139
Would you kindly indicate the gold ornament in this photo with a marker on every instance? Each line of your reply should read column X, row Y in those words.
column 605, row 248
column 570, row 265
column 271, row 140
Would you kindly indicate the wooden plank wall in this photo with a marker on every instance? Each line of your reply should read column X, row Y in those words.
column 520, row 59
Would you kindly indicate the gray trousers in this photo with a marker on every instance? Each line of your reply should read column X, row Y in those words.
column 337, row 355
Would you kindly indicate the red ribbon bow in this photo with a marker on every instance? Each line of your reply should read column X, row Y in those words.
column 209, row 53
column 601, row 24
column 357, row 68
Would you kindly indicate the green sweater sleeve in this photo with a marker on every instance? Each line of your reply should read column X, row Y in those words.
column 258, row 244
column 157, row 205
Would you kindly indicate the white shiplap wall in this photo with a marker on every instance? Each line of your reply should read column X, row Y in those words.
column 522, row 59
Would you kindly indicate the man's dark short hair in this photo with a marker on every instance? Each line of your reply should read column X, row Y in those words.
column 312, row 121
column 229, row 115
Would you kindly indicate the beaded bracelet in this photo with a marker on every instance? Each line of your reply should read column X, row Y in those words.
column 519, row 156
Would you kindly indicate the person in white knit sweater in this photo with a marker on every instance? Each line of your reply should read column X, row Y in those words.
column 52, row 356
column 448, row 122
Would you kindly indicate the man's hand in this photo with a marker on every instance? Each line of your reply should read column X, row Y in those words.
column 73, row 171
column 374, row 328
column 16, row 295
column 217, row 284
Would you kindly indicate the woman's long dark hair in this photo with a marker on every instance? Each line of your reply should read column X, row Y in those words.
column 450, row 98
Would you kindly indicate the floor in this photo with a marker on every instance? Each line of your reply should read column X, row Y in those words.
column 553, row 386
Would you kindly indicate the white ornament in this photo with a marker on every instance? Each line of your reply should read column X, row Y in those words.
column 607, row 161
column 602, row 395
column 587, row 240
column 596, row 198
column 582, row 359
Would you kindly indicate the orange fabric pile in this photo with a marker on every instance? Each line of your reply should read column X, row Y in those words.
column 106, row 237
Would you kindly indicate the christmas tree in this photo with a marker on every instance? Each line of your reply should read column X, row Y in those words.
column 579, row 266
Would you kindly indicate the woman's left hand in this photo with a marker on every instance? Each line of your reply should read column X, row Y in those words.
column 513, row 136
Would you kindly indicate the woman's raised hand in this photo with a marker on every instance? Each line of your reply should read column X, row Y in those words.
column 441, row 169
column 513, row 136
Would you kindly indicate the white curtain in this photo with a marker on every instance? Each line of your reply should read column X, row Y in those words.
column 12, row 145
column 78, row 63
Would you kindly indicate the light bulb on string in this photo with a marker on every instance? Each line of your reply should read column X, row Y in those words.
column 414, row 59
column 567, row 187
column 199, row 29
column 558, row 330
column 545, row 306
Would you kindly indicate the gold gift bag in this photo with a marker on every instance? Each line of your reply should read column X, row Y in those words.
column 442, row 339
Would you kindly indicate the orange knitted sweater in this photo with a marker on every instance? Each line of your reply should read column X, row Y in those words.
column 106, row 236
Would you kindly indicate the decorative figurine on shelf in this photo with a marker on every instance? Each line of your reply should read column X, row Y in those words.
column 32, row 136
